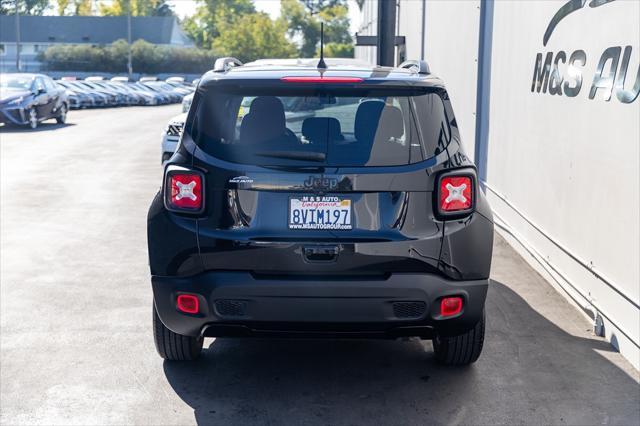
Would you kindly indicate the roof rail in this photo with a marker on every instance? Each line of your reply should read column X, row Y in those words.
column 419, row 66
column 225, row 64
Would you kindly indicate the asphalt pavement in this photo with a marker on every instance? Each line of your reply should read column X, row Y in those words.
column 75, row 319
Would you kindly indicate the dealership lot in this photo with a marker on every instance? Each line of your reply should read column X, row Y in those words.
column 76, row 318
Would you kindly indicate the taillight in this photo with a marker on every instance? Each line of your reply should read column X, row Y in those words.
column 455, row 194
column 184, row 190
column 450, row 306
column 188, row 303
column 322, row 79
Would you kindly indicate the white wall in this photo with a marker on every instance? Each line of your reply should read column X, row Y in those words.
column 368, row 26
column 563, row 173
column 452, row 53
column 570, row 164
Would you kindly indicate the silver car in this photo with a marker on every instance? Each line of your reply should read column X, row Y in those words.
column 171, row 136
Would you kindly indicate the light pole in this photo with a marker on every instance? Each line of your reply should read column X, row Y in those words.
column 17, row 37
column 129, row 61
column 386, row 32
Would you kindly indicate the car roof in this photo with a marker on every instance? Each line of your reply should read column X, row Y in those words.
column 277, row 69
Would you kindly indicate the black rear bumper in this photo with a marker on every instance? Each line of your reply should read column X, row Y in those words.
column 241, row 304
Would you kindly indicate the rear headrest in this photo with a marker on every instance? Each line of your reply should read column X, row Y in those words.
column 265, row 120
column 391, row 124
column 321, row 129
column 366, row 122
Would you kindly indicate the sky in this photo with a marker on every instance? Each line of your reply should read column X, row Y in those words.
column 184, row 8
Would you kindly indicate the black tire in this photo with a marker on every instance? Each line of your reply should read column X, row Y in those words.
column 62, row 117
column 173, row 346
column 32, row 118
column 463, row 349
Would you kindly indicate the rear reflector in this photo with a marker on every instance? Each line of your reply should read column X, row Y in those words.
column 188, row 303
column 184, row 191
column 450, row 306
column 456, row 193
column 310, row 79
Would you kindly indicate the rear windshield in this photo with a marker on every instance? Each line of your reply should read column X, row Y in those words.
column 321, row 126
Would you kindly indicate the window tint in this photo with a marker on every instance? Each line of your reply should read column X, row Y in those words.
column 38, row 84
column 433, row 123
column 321, row 127
column 9, row 81
column 49, row 84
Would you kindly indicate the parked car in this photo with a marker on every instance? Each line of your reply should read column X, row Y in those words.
column 171, row 136
column 180, row 87
column 112, row 98
column 167, row 90
column 124, row 97
column 161, row 98
column 144, row 97
column 364, row 219
column 30, row 99
column 76, row 98
column 97, row 99
column 177, row 88
column 186, row 102
column 179, row 80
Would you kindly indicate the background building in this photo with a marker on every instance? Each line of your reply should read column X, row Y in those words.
column 547, row 103
column 37, row 33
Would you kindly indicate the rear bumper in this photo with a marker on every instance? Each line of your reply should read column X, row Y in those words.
column 239, row 304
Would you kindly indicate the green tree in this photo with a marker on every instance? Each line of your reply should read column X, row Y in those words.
column 62, row 6
column 337, row 50
column 82, row 7
column 303, row 20
column 204, row 26
column 138, row 8
column 253, row 36
column 316, row 6
column 301, row 25
column 147, row 58
column 25, row 7
column 74, row 7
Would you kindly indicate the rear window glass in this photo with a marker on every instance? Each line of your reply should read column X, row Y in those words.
column 321, row 127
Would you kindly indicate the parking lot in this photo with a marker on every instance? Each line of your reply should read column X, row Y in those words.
column 76, row 334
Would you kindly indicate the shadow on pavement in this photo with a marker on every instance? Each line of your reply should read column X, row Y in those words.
column 531, row 371
column 42, row 127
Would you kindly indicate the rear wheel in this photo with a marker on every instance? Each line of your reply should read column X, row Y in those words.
column 62, row 117
column 173, row 346
column 463, row 349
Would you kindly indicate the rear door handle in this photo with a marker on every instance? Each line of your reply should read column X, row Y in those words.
column 320, row 254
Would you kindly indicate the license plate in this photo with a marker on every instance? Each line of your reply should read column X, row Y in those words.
column 320, row 213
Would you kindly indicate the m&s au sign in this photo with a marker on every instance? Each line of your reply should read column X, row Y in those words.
column 612, row 78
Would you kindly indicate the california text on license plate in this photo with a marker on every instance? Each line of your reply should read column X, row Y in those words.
column 319, row 213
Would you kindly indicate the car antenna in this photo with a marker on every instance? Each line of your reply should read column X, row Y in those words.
column 321, row 63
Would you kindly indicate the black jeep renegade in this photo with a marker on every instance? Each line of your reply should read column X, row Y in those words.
column 329, row 202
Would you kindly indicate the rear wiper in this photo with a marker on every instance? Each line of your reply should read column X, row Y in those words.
column 294, row 155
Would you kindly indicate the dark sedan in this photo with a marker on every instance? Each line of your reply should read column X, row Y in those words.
column 30, row 99
column 76, row 98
